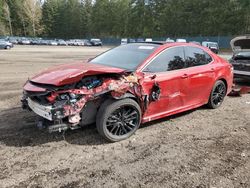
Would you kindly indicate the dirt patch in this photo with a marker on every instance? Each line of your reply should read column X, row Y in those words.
column 199, row 148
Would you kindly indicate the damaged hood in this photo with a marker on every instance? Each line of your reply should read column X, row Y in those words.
column 240, row 44
column 71, row 73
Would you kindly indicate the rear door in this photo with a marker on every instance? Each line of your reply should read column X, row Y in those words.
column 201, row 75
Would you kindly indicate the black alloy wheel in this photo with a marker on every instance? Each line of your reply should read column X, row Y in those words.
column 122, row 121
column 118, row 119
column 217, row 95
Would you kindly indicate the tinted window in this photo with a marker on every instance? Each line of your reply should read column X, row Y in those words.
column 171, row 59
column 196, row 57
column 127, row 57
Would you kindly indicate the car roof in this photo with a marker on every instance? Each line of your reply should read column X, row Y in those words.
column 175, row 44
column 151, row 42
column 164, row 44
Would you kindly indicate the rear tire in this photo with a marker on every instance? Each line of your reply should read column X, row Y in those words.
column 217, row 95
column 118, row 119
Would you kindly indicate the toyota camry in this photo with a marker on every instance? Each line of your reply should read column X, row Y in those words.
column 127, row 86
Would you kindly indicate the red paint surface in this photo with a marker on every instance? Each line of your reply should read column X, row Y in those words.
column 71, row 73
column 29, row 87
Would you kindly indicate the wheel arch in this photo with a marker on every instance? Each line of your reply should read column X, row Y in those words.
column 93, row 106
column 223, row 80
column 127, row 95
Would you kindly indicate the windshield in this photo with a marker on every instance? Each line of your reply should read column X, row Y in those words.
column 127, row 57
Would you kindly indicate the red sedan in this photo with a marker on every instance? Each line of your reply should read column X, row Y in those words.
column 127, row 86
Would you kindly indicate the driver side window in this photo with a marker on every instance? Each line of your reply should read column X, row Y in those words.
column 170, row 59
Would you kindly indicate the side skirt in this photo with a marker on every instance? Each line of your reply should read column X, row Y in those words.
column 169, row 113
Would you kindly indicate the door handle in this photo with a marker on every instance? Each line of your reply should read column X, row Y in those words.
column 184, row 76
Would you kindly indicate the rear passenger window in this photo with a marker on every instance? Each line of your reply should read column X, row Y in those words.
column 196, row 56
column 170, row 59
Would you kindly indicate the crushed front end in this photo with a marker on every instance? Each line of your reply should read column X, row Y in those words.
column 74, row 105
column 52, row 104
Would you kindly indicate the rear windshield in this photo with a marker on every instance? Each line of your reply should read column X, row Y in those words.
column 127, row 57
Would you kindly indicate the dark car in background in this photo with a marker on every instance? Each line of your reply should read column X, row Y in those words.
column 35, row 41
column 139, row 40
column 13, row 40
column 96, row 42
column 241, row 57
column 5, row 44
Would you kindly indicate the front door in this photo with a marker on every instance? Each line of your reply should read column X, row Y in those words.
column 166, row 83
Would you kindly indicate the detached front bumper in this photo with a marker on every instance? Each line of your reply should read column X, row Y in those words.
column 52, row 117
column 43, row 111
column 46, row 111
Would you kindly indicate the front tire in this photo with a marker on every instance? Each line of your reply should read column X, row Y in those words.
column 118, row 119
column 217, row 95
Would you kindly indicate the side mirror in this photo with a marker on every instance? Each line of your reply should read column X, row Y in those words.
column 153, row 77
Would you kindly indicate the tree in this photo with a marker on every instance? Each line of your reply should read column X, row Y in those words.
column 6, row 14
column 32, row 12
column 124, row 18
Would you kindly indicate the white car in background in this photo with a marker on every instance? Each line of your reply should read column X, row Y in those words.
column 53, row 43
column 213, row 46
column 96, row 42
column 124, row 41
column 78, row 42
column 181, row 40
column 148, row 40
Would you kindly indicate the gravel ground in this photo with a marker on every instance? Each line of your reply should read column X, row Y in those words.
column 198, row 148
